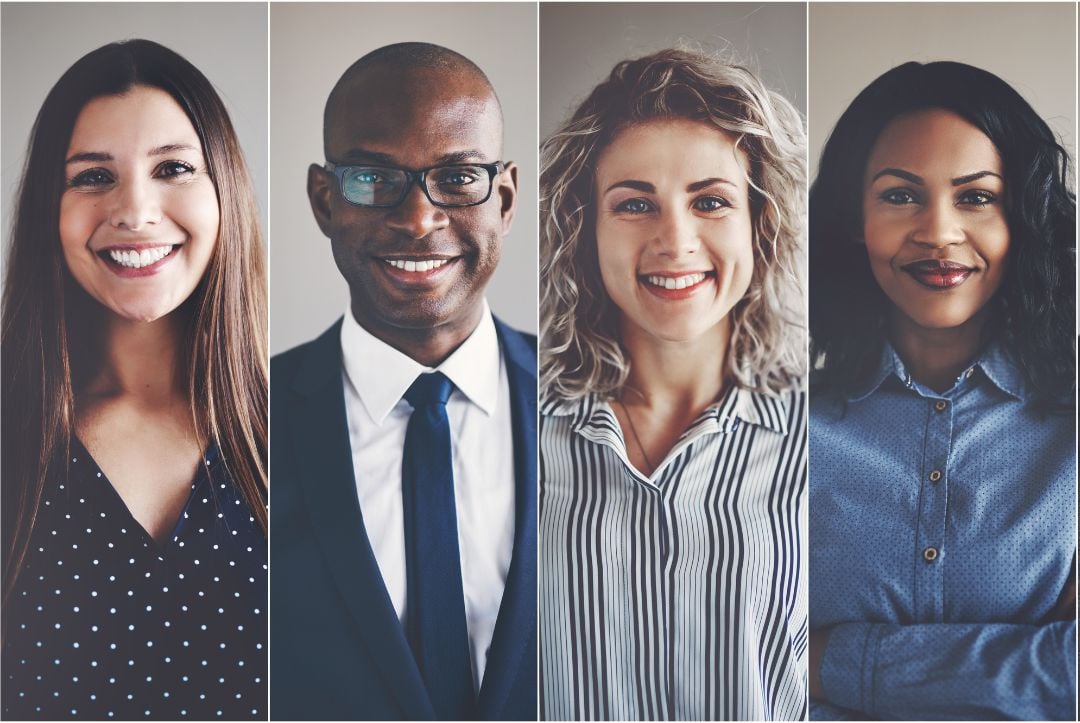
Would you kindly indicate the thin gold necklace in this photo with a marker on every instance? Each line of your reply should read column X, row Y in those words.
column 637, row 439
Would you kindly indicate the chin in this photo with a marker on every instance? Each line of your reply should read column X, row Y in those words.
column 941, row 319
column 144, row 311
column 678, row 333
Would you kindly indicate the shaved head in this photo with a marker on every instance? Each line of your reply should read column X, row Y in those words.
column 409, row 69
column 415, row 107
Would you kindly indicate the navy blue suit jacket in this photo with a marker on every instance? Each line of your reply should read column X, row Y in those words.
column 337, row 649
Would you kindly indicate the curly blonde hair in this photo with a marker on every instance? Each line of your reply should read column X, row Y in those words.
column 582, row 353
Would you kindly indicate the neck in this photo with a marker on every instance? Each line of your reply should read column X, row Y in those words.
column 679, row 376
column 936, row 357
column 140, row 359
column 429, row 346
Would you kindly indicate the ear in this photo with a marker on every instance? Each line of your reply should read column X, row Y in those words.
column 319, row 191
column 507, row 189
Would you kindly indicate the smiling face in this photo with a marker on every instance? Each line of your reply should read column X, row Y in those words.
column 934, row 218
column 674, row 232
column 415, row 266
column 139, row 214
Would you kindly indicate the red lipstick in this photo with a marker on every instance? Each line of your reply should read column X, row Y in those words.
column 938, row 274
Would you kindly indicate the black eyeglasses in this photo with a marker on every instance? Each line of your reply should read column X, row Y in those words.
column 454, row 186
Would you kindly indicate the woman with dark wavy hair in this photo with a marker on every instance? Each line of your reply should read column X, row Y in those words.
column 672, row 429
column 134, row 404
column 943, row 487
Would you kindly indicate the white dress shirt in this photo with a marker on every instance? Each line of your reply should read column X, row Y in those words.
column 376, row 377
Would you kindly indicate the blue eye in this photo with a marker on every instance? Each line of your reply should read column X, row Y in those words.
column 91, row 178
column 711, row 203
column 634, row 205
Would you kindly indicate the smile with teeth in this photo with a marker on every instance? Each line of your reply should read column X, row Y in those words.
column 420, row 266
column 676, row 282
column 134, row 259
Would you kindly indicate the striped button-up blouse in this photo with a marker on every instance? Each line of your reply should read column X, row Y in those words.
column 680, row 595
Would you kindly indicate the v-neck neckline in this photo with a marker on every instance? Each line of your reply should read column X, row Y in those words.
column 167, row 543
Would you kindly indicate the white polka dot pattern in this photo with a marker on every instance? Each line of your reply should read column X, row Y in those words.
column 106, row 624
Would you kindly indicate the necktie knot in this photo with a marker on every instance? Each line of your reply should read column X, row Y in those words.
column 429, row 389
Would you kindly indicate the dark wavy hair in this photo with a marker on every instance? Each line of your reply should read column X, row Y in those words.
column 48, row 333
column 1035, row 306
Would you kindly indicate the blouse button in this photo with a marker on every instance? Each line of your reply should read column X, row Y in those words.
column 941, row 405
column 930, row 554
column 968, row 374
column 935, row 475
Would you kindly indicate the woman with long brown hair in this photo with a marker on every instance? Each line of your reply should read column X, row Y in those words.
column 134, row 404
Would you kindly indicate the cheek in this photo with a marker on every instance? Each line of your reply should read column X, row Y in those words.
column 614, row 251
column 80, row 216
column 196, row 211
column 883, row 238
column 995, row 245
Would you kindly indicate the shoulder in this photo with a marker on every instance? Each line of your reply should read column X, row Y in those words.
column 519, row 346
column 286, row 365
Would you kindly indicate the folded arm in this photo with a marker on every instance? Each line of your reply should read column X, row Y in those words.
column 949, row 670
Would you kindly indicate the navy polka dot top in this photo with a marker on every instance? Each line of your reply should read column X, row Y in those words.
column 105, row 623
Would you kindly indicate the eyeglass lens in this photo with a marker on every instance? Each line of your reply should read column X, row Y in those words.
column 448, row 185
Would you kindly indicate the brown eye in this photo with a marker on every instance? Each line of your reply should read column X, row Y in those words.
column 978, row 198
column 898, row 197
column 92, row 178
column 173, row 169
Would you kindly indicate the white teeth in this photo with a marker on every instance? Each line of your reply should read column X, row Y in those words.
column 676, row 282
column 138, row 259
column 406, row 265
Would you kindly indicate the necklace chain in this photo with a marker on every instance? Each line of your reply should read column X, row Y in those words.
column 637, row 439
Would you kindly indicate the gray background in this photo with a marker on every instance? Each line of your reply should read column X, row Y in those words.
column 226, row 41
column 311, row 45
column 581, row 42
column 1031, row 46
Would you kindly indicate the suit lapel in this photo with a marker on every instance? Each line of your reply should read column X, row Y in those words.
column 320, row 433
column 516, row 624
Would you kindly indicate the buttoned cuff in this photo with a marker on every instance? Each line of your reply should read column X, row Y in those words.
column 847, row 667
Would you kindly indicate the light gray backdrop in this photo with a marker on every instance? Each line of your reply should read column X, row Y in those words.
column 1032, row 46
column 581, row 42
column 311, row 45
column 226, row 41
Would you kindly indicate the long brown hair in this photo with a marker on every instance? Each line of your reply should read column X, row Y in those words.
column 42, row 344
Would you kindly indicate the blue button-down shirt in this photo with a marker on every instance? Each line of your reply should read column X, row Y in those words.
column 942, row 534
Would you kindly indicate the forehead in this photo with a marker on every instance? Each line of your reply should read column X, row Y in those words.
column 676, row 149
column 415, row 118
column 143, row 117
column 934, row 142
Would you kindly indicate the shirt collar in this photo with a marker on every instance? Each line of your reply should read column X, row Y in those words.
column 381, row 374
column 994, row 363
column 737, row 405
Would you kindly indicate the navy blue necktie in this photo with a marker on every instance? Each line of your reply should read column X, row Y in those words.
column 435, row 604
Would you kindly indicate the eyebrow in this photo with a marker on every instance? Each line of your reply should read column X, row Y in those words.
column 359, row 155
column 100, row 156
column 647, row 187
column 918, row 181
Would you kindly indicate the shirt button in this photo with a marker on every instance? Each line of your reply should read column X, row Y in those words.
column 968, row 374
column 935, row 475
column 941, row 405
column 930, row 554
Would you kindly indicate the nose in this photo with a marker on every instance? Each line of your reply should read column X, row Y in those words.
column 416, row 216
column 136, row 205
column 677, row 235
column 940, row 224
